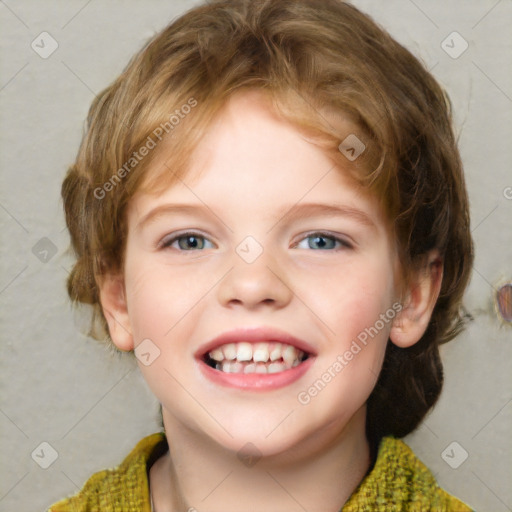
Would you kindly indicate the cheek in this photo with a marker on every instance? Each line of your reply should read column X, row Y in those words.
column 352, row 303
column 154, row 298
column 351, row 297
column 144, row 299
column 160, row 295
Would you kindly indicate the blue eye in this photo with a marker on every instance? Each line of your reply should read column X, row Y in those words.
column 194, row 241
column 323, row 241
column 188, row 242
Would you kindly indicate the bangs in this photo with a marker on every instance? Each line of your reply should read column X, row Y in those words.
column 175, row 144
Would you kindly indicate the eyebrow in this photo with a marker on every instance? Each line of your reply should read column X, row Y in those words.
column 167, row 209
column 304, row 210
column 297, row 211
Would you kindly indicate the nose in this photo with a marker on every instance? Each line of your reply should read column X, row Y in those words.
column 256, row 284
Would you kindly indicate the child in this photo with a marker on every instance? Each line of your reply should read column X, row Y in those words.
column 309, row 161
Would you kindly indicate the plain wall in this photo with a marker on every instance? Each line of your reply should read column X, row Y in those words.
column 61, row 388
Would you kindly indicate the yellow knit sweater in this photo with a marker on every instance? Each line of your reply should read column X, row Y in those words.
column 398, row 482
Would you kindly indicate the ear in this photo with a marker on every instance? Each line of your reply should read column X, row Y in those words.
column 113, row 303
column 422, row 293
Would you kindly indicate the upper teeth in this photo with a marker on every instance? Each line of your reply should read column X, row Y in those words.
column 260, row 352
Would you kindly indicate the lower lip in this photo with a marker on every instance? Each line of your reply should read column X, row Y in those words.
column 256, row 381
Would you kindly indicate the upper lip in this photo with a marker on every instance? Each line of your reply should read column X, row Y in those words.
column 253, row 335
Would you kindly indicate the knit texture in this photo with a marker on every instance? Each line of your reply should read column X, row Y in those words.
column 398, row 482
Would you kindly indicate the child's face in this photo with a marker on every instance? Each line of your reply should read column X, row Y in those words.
column 182, row 294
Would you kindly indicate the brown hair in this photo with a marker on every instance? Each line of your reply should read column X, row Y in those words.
column 319, row 62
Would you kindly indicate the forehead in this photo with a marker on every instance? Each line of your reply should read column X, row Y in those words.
column 247, row 134
column 248, row 138
column 252, row 159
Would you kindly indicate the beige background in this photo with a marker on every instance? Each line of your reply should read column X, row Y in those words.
column 91, row 407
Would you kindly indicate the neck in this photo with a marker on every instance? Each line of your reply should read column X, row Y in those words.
column 199, row 474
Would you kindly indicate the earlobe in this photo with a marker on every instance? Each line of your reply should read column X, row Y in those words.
column 113, row 303
column 412, row 322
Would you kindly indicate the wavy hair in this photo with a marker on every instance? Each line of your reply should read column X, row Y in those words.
column 331, row 71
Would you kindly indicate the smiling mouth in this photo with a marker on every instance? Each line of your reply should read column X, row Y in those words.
column 261, row 357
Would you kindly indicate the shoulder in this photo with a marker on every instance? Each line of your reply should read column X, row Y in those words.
column 400, row 481
column 124, row 488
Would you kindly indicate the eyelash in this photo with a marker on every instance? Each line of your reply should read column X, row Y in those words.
column 343, row 244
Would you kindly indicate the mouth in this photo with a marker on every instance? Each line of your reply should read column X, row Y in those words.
column 245, row 357
column 255, row 359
